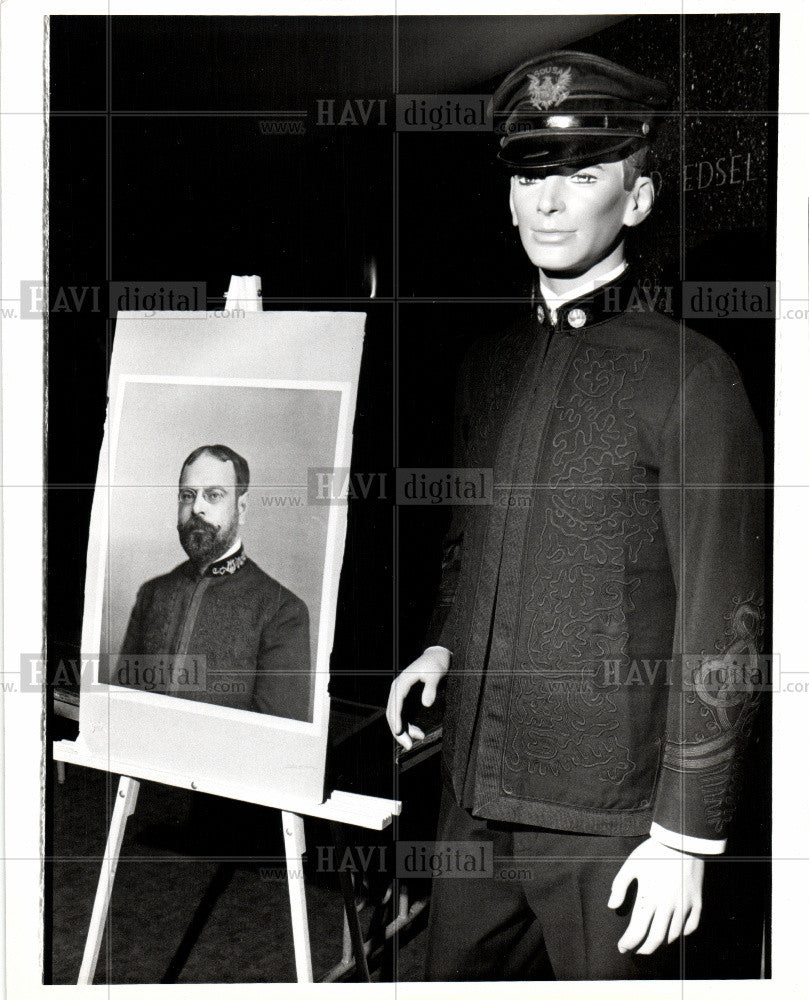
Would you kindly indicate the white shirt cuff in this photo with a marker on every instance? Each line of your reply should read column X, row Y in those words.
column 680, row 842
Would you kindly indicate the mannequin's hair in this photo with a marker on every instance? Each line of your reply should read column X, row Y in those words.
column 635, row 165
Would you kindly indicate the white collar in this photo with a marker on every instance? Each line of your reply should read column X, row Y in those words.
column 232, row 550
column 554, row 301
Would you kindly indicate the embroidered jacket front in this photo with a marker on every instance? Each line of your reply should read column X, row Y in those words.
column 605, row 612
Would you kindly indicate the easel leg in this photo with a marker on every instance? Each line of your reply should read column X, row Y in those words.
column 125, row 802
column 295, row 846
column 350, row 904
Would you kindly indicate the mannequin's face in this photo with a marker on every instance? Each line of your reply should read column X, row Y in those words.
column 571, row 220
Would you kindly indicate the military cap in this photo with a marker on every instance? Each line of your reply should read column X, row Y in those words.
column 572, row 108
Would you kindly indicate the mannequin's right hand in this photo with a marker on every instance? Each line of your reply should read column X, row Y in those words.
column 429, row 668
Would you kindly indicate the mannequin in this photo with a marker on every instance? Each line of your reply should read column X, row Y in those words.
column 590, row 375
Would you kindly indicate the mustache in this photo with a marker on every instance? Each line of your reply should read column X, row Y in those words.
column 195, row 523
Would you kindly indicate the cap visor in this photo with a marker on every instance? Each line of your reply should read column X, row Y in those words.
column 537, row 154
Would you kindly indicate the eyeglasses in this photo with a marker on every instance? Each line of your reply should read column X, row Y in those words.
column 212, row 494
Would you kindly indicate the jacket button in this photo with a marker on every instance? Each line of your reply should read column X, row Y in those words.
column 576, row 318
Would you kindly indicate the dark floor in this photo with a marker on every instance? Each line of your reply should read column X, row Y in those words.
column 178, row 913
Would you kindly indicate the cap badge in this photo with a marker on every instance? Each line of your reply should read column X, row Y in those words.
column 576, row 318
column 548, row 86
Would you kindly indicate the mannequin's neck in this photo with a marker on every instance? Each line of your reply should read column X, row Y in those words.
column 564, row 285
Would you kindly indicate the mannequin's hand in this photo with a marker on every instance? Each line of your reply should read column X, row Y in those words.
column 429, row 668
column 669, row 899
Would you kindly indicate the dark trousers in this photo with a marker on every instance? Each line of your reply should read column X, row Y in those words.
column 541, row 914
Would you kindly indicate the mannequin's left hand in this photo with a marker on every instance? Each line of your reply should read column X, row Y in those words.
column 669, row 899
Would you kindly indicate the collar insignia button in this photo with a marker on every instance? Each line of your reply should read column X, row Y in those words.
column 576, row 318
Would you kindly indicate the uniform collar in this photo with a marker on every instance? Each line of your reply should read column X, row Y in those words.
column 591, row 306
column 231, row 562
column 233, row 550
column 228, row 564
column 585, row 287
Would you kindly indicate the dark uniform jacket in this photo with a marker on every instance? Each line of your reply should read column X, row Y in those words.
column 605, row 611
column 248, row 634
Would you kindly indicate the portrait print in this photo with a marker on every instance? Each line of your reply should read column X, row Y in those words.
column 225, row 576
column 211, row 578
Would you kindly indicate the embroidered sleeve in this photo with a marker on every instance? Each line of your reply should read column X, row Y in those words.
column 712, row 500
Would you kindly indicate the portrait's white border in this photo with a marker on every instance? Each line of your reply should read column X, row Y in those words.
column 22, row 134
column 244, row 755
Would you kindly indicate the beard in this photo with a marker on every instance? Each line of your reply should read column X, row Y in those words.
column 204, row 543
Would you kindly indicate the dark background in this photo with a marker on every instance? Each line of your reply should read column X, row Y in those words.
column 160, row 171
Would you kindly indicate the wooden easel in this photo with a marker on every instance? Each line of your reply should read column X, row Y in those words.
column 125, row 803
column 341, row 808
